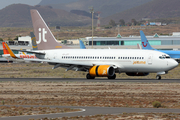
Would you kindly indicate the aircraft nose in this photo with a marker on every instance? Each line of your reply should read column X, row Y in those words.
column 173, row 64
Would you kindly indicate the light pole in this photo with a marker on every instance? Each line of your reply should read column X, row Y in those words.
column 92, row 11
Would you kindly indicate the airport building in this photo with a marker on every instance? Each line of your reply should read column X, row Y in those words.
column 169, row 42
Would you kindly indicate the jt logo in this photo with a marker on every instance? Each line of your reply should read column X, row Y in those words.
column 42, row 33
column 144, row 44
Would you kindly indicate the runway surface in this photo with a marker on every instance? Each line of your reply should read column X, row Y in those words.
column 93, row 80
column 86, row 111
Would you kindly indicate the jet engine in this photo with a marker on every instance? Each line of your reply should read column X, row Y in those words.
column 102, row 71
column 137, row 74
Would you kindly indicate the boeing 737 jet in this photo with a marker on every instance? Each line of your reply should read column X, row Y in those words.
column 175, row 54
column 8, row 54
column 99, row 62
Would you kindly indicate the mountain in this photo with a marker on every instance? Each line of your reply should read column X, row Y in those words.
column 154, row 10
column 106, row 7
column 49, row 2
column 18, row 15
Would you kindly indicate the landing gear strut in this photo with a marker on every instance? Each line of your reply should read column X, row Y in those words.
column 88, row 76
column 158, row 77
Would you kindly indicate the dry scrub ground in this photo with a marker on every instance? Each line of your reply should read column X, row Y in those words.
column 39, row 70
column 22, row 111
column 139, row 95
column 124, row 116
column 81, row 32
column 108, row 94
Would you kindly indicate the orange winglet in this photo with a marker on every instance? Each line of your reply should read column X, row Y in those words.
column 5, row 51
column 10, row 51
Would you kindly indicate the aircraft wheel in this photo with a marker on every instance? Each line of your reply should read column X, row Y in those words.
column 158, row 77
column 112, row 77
column 88, row 76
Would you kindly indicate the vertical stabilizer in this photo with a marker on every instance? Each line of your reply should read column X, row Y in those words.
column 10, row 51
column 33, row 39
column 44, row 38
column 82, row 46
column 139, row 46
column 5, row 51
column 144, row 41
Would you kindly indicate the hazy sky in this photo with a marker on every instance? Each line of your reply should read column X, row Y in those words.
column 4, row 3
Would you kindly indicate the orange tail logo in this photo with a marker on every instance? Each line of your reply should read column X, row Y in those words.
column 5, row 51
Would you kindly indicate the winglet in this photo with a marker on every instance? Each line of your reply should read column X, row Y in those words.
column 144, row 41
column 82, row 46
column 5, row 51
column 10, row 51
column 23, row 53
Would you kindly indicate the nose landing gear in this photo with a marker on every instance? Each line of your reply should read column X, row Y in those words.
column 158, row 77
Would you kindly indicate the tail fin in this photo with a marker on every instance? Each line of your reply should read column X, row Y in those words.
column 33, row 39
column 5, row 51
column 44, row 38
column 82, row 46
column 10, row 51
column 145, row 43
column 139, row 46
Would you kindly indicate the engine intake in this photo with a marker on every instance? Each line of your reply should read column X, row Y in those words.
column 101, row 71
column 137, row 74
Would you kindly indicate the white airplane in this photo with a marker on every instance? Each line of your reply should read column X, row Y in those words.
column 99, row 62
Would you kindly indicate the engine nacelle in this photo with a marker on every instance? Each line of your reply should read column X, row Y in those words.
column 101, row 71
column 136, row 74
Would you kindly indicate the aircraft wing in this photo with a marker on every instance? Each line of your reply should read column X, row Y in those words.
column 34, row 52
column 78, row 65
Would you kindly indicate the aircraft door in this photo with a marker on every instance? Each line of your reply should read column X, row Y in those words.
column 150, row 57
column 55, row 55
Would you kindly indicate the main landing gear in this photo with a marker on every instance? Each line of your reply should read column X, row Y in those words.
column 158, row 77
column 88, row 76
column 112, row 77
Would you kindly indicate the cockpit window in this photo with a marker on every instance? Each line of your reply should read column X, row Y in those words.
column 168, row 57
column 164, row 57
